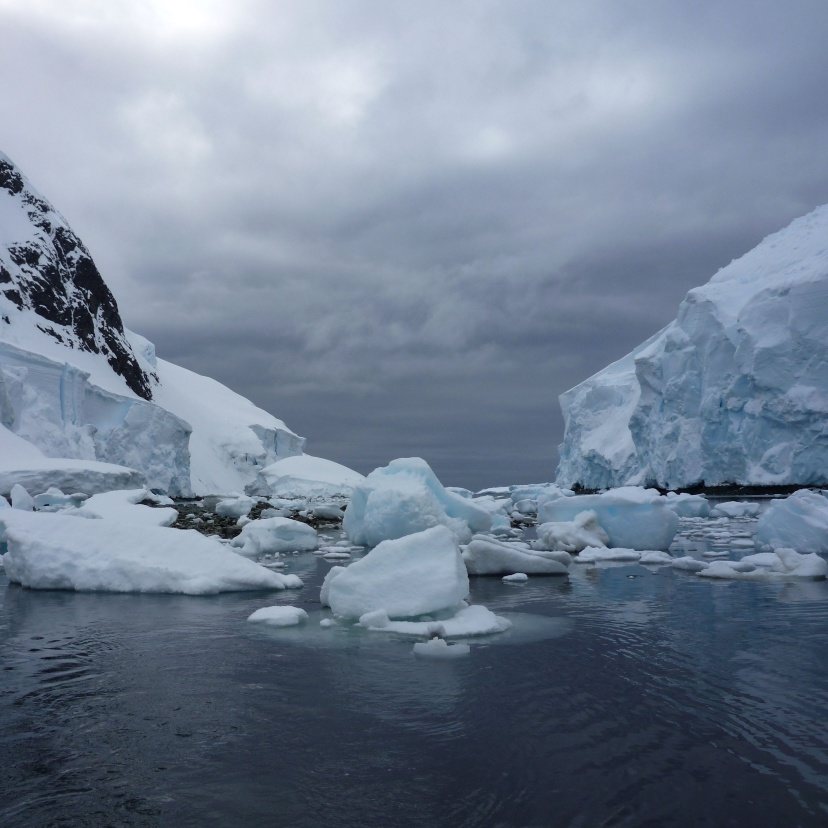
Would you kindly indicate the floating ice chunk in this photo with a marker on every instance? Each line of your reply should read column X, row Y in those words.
column 324, row 592
column 726, row 569
column 336, row 555
column 405, row 497
column 125, row 508
column 487, row 556
column 4, row 504
column 687, row 505
column 465, row 623
column 572, row 536
column 736, row 509
column 274, row 535
column 55, row 551
column 279, row 616
column 439, row 648
column 515, row 578
column 235, row 507
column 799, row 522
column 592, row 554
column 689, row 564
column 327, row 511
column 305, row 476
column 655, row 557
column 406, row 577
column 632, row 517
column 21, row 499
column 527, row 506
column 326, row 622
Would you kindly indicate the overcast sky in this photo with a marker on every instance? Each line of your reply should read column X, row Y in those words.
column 406, row 227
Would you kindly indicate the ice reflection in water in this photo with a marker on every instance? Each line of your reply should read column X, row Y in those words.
column 659, row 699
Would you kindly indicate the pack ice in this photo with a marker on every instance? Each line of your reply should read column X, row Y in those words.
column 75, row 384
column 406, row 497
column 734, row 390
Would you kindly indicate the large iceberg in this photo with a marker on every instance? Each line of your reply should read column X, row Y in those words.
column 406, row 497
column 798, row 522
column 54, row 551
column 407, row 577
column 631, row 517
column 734, row 390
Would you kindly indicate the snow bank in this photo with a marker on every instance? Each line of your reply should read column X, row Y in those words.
column 799, row 522
column 274, row 535
column 53, row 551
column 572, row 536
column 410, row 576
column 306, row 477
column 487, row 556
column 632, row 517
column 734, row 390
column 406, row 497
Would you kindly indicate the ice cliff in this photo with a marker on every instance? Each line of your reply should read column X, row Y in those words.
column 74, row 383
column 734, row 390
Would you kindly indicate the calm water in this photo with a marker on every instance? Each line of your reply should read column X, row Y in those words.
column 651, row 697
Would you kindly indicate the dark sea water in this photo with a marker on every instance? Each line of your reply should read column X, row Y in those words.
column 624, row 695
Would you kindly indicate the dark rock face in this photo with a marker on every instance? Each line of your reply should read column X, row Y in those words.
column 50, row 272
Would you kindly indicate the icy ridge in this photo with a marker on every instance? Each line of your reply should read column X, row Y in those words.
column 735, row 390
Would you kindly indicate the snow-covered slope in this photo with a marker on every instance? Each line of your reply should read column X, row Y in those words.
column 75, row 384
column 734, row 390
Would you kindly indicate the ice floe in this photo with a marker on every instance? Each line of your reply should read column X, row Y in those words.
column 799, row 522
column 274, row 535
column 279, row 616
column 488, row 556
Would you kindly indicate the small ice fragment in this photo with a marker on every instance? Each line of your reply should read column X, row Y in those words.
column 441, row 649
column 516, row 578
column 279, row 616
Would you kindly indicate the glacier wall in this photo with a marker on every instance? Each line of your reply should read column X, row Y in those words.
column 735, row 390
column 56, row 408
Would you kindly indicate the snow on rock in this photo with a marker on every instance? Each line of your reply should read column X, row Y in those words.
column 487, row 556
column 279, row 616
column 274, row 535
column 734, row 390
column 632, row 517
column 125, row 507
column 406, row 577
column 76, row 384
column 235, row 507
column 406, row 497
column 574, row 535
column 54, row 551
column 799, row 522
column 305, row 476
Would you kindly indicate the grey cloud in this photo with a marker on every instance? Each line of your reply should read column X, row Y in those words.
column 406, row 228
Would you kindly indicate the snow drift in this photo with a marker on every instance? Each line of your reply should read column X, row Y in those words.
column 734, row 390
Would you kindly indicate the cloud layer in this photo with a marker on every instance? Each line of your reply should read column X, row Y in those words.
column 406, row 228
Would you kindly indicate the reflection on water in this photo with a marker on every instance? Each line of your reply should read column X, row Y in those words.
column 641, row 696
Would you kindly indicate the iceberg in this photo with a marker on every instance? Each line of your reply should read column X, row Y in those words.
column 488, row 556
column 574, row 535
column 305, row 476
column 631, row 517
column 274, row 535
column 799, row 522
column 54, row 551
column 406, row 577
column 735, row 390
column 405, row 497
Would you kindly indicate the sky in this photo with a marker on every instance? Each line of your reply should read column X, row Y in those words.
column 406, row 227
